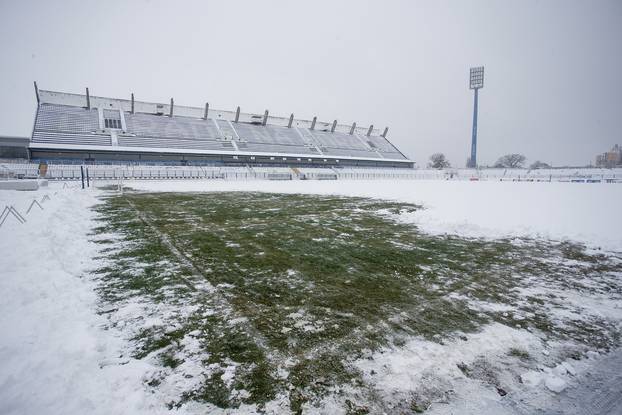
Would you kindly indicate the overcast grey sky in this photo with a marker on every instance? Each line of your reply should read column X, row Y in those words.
column 553, row 88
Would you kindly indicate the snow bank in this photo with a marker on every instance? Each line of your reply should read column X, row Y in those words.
column 396, row 370
column 19, row 185
column 587, row 213
column 54, row 356
column 472, row 375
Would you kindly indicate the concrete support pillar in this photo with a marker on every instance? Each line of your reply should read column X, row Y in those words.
column 100, row 115
column 88, row 100
column 291, row 120
column 384, row 134
column 332, row 129
column 171, row 112
column 371, row 128
column 353, row 128
column 206, row 110
column 265, row 118
column 237, row 115
column 122, row 118
column 37, row 92
column 313, row 123
column 132, row 111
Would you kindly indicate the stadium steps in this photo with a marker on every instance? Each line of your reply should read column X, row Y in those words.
column 51, row 117
column 71, row 138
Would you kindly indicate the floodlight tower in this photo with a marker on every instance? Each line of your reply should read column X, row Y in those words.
column 477, row 82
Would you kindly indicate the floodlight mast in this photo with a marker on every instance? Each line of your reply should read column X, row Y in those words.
column 476, row 82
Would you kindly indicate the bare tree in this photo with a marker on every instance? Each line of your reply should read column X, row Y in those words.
column 438, row 161
column 511, row 161
column 539, row 165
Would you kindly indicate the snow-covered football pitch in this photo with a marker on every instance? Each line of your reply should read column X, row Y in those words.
column 346, row 297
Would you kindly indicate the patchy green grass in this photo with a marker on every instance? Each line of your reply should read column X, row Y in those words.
column 272, row 295
column 520, row 353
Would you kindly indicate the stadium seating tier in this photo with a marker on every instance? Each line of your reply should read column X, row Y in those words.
column 86, row 127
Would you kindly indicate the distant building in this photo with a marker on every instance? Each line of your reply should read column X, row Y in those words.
column 13, row 147
column 612, row 158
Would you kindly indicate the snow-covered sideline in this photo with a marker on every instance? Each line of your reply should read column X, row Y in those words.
column 587, row 213
column 54, row 356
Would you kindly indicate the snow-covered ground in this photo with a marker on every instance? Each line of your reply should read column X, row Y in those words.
column 588, row 213
column 56, row 358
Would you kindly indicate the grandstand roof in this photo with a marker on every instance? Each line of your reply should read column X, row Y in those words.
column 79, row 122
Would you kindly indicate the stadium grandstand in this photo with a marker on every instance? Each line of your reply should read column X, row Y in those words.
column 80, row 128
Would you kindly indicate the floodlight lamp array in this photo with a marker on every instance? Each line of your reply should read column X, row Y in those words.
column 477, row 78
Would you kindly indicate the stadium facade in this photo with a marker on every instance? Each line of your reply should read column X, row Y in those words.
column 85, row 128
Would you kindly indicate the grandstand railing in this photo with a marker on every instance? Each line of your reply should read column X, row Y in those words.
column 165, row 172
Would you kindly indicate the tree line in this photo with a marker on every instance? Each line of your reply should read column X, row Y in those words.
column 508, row 161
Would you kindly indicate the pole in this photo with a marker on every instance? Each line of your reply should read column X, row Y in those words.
column 88, row 182
column 82, row 175
column 473, row 161
column 37, row 93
